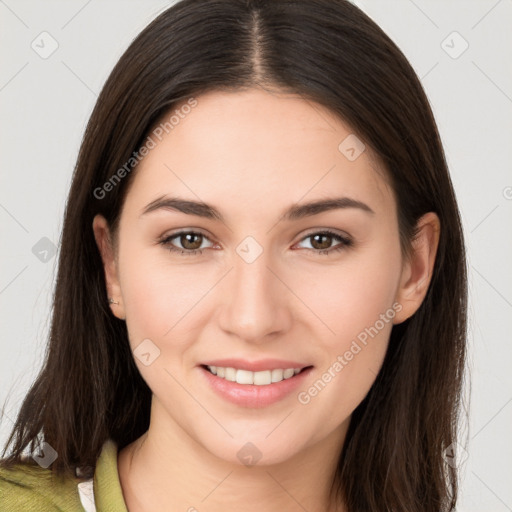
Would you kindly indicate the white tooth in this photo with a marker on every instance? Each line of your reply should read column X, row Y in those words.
column 230, row 374
column 244, row 377
column 289, row 372
column 262, row 378
column 277, row 375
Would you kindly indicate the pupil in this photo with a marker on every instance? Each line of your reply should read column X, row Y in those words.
column 188, row 244
column 322, row 246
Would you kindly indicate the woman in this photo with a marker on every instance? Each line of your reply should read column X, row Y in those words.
column 261, row 294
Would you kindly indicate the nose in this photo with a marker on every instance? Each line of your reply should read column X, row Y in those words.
column 256, row 307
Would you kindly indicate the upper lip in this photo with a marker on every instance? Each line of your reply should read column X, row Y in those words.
column 255, row 366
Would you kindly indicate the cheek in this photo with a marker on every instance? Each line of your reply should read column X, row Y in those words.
column 356, row 301
column 163, row 296
column 352, row 294
column 162, row 304
column 156, row 293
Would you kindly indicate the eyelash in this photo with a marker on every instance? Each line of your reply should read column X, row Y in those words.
column 345, row 242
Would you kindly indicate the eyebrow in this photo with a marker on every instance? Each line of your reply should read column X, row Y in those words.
column 294, row 212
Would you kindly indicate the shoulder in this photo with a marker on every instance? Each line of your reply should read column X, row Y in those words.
column 28, row 487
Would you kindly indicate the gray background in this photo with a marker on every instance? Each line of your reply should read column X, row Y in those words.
column 44, row 106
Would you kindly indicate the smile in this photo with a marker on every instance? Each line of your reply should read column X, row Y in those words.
column 261, row 378
column 257, row 389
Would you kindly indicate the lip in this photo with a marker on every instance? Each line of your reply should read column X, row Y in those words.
column 255, row 366
column 251, row 395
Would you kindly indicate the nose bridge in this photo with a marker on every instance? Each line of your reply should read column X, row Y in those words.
column 254, row 306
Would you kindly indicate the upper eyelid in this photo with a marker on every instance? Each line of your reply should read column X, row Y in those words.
column 185, row 232
column 332, row 231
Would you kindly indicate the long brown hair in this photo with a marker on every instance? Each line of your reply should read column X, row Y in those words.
column 330, row 52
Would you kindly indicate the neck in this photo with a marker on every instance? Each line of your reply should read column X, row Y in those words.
column 166, row 469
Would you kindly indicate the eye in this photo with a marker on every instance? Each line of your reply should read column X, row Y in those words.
column 321, row 242
column 191, row 242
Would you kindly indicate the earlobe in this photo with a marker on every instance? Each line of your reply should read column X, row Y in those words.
column 104, row 242
column 419, row 266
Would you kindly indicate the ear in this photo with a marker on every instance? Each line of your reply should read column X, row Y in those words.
column 106, row 247
column 418, row 267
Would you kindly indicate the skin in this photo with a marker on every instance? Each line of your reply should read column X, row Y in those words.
column 252, row 154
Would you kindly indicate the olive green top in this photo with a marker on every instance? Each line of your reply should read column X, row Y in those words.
column 27, row 487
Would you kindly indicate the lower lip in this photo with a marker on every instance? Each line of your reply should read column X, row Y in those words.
column 250, row 395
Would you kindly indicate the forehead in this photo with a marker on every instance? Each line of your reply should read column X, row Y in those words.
column 237, row 149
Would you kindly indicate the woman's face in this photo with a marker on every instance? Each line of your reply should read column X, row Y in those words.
column 264, row 284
